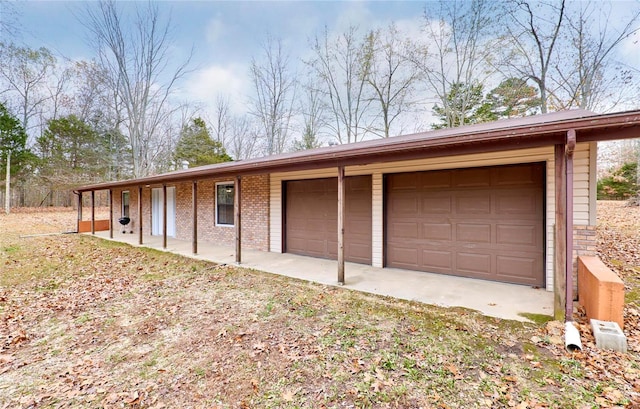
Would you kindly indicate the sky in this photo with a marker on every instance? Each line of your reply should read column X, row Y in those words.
column 226, row 35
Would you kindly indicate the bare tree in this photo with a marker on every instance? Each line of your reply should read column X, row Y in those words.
column 391, row 75
column 341, row 66
column 455, row 53
column 137, row 69
column 90, row 99
column 57, row 87
column 23, row 77
column 243, row 141
column 313, row 120
column 275, row 93
column 221, row 123
column 531, row 39
column 589, row 78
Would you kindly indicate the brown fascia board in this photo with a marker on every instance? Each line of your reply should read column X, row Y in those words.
column 520, row 133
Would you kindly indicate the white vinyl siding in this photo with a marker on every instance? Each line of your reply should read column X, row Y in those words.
column 377, row 220
column 583, row 182
column 581, row 185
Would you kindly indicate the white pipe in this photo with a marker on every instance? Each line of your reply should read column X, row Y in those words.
column 572, row 337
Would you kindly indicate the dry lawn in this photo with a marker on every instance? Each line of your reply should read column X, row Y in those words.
column 86, row 323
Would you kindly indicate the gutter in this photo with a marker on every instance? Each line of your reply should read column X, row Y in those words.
column 571, row 145
column 571, row 334
column 502, row 135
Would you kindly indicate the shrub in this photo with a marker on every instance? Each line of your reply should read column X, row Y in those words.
column 620, row 184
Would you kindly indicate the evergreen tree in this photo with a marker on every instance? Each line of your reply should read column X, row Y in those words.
column 71, row 152
column 13, row 139
column 197, row 147
column 620, row 184
column 466, row 105
column 514, row 98
column 309, row 140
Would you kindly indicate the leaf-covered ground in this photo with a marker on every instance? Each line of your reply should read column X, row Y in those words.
column 86, row 323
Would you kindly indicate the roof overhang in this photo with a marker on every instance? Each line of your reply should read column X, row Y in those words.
column 536, row 131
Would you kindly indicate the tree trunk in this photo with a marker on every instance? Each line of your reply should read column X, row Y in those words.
column 7, row 191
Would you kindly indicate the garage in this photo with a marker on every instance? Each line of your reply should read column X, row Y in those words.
column 483, row 223
column 311, row 218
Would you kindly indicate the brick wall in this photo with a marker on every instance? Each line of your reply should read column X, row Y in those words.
column 584, row 241
column 584, row 244
column 255, row 213
column 133, row 210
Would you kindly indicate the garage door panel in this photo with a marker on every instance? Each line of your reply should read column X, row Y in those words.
column 521, row 203
column 359, row 253
column 436, row 205
column 522, row 268
column 405, row 257
column 473, row 204
column 518, row 176
column 489, row 220
column 439, row 259
column 403, row 181
column 437, row 231
column 315, row 224
column 433, row 180
column 405, row 205
column 311, row 218
column 358, row 206
column 359, row 228
column 358, row 184
column 406, row 230
column 517, row 235
column 478, row 264
column 473, row 233
column 316, row 246
column 473, row 177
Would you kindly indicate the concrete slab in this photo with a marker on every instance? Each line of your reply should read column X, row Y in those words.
column 500, row 300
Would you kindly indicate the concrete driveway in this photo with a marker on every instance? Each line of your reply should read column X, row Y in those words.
column 500, row 300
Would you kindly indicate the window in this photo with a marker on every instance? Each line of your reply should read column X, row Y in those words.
column 125, row 203
column 224, row 203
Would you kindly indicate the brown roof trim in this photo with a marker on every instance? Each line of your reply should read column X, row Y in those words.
column 519, row 133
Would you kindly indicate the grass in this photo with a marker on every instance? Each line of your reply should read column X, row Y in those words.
column 537, row 318
column 104, row 325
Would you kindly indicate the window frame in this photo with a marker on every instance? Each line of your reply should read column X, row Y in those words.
column 125, row 209
column 217, row 203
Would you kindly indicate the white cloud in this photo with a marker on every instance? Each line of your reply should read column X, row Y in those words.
column 355, row 14
column 411, row 27
column 207, row 84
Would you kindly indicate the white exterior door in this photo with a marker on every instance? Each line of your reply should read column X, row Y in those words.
column 156, row 211
column 171, row 211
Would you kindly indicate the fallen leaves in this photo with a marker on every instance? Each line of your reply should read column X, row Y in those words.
column 96, row 324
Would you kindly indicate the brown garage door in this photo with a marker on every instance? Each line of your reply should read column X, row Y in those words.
column 311, row 218
column 479, row 222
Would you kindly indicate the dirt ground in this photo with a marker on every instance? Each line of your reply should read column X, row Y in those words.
column 90, row 323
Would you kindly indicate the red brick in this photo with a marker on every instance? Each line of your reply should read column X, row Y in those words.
column 255, row 212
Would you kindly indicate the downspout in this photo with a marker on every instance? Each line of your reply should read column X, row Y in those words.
column 571, row 145
column 571, row 333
